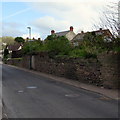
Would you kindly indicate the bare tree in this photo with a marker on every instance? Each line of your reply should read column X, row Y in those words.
column 110, row 18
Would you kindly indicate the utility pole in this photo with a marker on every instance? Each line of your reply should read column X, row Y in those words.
column 29, row 28
column 30, row 65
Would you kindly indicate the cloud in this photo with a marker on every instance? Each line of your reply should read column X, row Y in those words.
column 81, row 14
column 60, row 15
column 11, row 29
column 45, row 24
column 40, row 0
column 48, row 22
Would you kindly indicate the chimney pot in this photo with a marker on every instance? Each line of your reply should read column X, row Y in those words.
column 39, row 39
column 71, row 28
column 100, row 28
column 52, row 32
column 27, row 38
column 82, row 32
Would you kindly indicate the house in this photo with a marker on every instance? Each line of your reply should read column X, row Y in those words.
column 69, row 34
column 32, row 40
column 80, row 36
column 15, row 50
column 106, row 33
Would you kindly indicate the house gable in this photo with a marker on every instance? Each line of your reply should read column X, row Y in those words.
column 70, row 35
column 14, row 47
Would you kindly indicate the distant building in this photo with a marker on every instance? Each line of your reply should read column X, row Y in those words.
column 78, row 38
column 105, row 33
column 33, row 39
column 15, row 50
column 68, row 34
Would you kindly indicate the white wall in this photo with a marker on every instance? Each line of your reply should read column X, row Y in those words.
column 70, row 35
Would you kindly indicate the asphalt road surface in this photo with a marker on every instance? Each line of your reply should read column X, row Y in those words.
column 0, row 90
column 27, row 95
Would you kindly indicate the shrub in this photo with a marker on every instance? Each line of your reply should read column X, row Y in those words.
column 19, row 40
column 57, row 45
column 5, row 53
column 77, row 53
column 32, row 47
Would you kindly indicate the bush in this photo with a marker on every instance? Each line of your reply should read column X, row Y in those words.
column 76, row 53
column 117, row 49
column 5, row 53
column 57, row 45
column 32, row 47
column 19, row 40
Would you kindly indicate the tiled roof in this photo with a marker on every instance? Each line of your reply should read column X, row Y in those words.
column 14, row 47
column 79, row 36
column 105, row 32
column 62, row 33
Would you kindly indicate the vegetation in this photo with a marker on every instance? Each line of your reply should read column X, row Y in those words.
column 19, row 40
column 32, row 47
column 59, row 46
column 6, row 53
column 8, row 40
column 53, row 45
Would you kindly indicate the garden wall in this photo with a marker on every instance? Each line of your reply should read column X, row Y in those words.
column 84, row 70
column 110, row 69
column 102, row 71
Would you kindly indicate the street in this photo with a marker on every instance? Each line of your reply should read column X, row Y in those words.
column 27, row 95
column 0, row 89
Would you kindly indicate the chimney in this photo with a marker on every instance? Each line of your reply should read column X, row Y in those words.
column 27, row 38
column 39, row 39
column 82, row 32
column 52, row 32
column 100, row 28
column 71, row 28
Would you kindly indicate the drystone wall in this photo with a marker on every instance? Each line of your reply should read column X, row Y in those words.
column 103, row 71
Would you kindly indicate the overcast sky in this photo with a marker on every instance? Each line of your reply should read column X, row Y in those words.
column 45, row 16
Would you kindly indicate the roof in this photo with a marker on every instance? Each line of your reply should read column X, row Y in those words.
column 79, row 37
column 105, row 32
column 62, row 33
column 14, row 47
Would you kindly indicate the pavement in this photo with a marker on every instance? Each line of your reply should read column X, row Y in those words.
column 111, row 93
column 27, row 94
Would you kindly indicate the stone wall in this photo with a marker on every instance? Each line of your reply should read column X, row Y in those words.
column 110, row 69
column 84, row 70
column 103, row 71
column 22, row 62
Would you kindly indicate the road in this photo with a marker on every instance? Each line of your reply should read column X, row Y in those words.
column 0, row 90
column 27, row 95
